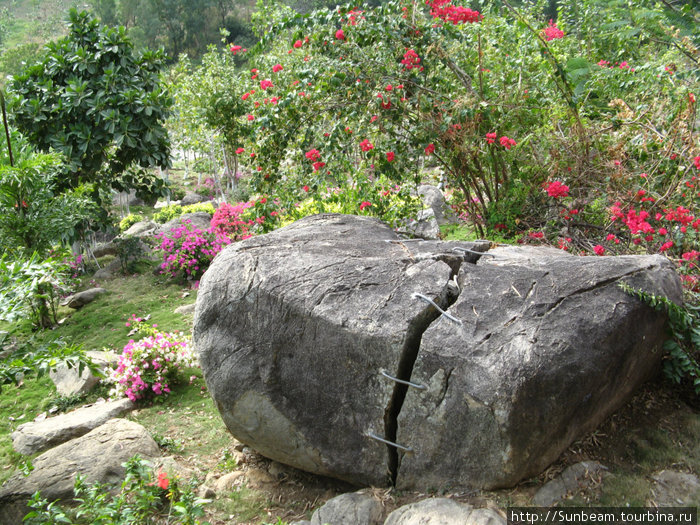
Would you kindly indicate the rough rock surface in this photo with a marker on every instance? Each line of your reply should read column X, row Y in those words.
column 298, row 330
column 569, row 482
column 199, row 219
column 98, row 456
column 546, row 348
column 193, row 198
column 674, row 489
column 69, row 381
column 141, row 229
column 442, row 511
column 36, row 436
column 80, row 299
column 353, row 507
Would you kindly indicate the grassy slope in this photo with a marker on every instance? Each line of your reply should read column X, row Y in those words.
column 36, row 21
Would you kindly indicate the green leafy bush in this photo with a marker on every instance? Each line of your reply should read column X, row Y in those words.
column 32, row 288
column 144, row 498
column 168, row 213
column 128, row 221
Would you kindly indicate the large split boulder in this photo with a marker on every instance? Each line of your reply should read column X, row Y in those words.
column 309, row 335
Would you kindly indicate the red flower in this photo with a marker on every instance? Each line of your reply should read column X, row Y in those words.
column 388, row 87
column 163, row 481
column 339, row 35
column 410, row 59
column 245, row 96
column 552, row 32
column 263, row 200
column 374, row 117
column 491, row 137
column 251, row 117
column 556, row 189
column 506, row 142
column 313, row 155
column 366, row 145
column 364, row 205
column 318, row 165
column 430, row 149
column 305, row 188
column 276, row 68
column 390, row 156
column 696, row 160
column 264, row 84
column 598, row 249
column 235, row 49
column 239, row 151
column 297, row 44
column 665, row 246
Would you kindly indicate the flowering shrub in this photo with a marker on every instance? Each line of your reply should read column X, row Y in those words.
column 144, row 497
column 150, row 366
column 188, row 251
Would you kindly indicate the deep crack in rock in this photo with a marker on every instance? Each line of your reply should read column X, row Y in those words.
column 409, row 354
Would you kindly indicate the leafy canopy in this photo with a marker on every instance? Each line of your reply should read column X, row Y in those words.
column 100, row 103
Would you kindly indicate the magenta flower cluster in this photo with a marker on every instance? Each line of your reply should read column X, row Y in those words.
column 188, row 250
column 149, row 366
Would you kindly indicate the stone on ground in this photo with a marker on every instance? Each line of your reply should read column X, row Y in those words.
column 433, row 511
column 33, row 437
column 80, row 299
column 354, row 507
column 573, row 479
column 69, row 381
column 302, row 333
column 97, row 456
column 675, row 489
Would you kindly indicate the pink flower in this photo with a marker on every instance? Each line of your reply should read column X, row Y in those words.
column 297, row 44
column 366, row 145
column 264, row 84
column 665, row 246
column 552, row 32
column 318, row 165
column 491, row 137
column 239, row 151
column 245, row 96
column 235, row 49
column 430, row 149
column 696, row 160
column 556, row 189
column 251, row 117
column 598, row 249
column 390, row 156
column 277, row 68
column 163, row 481
column 306, row 189
column 364, row 205
column 339, row 35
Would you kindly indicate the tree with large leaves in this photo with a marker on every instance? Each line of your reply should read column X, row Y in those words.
column 99, row 103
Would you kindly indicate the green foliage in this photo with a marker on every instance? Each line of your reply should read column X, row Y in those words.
column 168, row 213
column 128, row 221
column 144, row 498
column 683, row 361
column 34, row 213
column 32, row 288
column 129, row 250
column 28, row 360
column 104, row 107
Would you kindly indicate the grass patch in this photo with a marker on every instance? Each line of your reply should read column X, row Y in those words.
column 187, row 416
column 101, row 324
column 242, row 505
column 22, row 404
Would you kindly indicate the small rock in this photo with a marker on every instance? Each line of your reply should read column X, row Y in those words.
column 571, row 480
column 433, row 511
column 304, row 522
column 206, row 492
column 226, row 482
column 37, row 436
column 193, row 198
column 69, row 382
column 163, row 204
column 258, row 478
column 672, row 489
column 103, row 249
column 185, row 309
column 141, row 229
column 80, row 299
column 109, row 271
column 278, row 470
column 354, row 507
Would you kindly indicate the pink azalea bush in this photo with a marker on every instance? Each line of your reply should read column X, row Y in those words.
column 150, row 366
column 188, row 251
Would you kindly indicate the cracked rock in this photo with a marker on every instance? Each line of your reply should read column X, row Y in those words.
column 303, row 333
